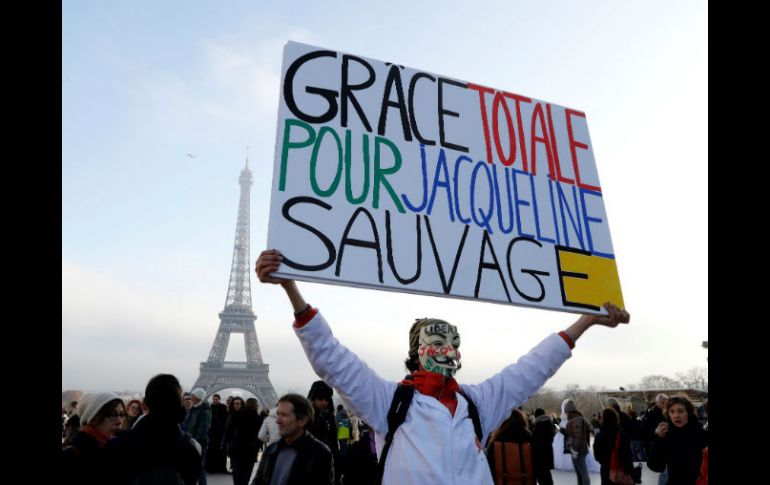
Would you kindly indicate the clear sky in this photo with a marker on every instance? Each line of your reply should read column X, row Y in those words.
column 147, row 230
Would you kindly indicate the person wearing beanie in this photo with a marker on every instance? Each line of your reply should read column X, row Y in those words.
column 577, row 436
column 324, row 425
column 321, row 391
column 562, row 456
column 198, row 425
column 83, row 462
column 437, row 442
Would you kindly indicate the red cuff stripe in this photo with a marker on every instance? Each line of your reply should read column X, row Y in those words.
column 306, row 316
column 567, row 339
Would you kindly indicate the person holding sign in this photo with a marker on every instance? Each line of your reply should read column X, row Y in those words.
column 438, row 436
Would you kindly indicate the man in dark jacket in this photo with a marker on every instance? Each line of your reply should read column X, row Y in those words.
column 298, row 458
column 216, row 460
column 652, row 418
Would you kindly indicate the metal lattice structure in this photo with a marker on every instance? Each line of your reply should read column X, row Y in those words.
column 252, row 376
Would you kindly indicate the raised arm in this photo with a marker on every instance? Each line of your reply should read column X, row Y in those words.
column 358, row 385
column 496, row 396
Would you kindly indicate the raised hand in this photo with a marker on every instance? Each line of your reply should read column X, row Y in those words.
column 268, row 262
column 614, row 317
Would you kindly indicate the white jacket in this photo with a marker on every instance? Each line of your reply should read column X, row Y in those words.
column 431, row 446
column 268, row 433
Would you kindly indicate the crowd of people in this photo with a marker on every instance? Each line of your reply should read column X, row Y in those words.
column 672, row 436
column 426, row 428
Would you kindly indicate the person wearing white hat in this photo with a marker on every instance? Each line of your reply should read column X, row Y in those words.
column 101, row 415
column 198, row 425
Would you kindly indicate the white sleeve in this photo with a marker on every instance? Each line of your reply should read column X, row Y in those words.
column 360, row 387
column 498, row 395
column 263, row 432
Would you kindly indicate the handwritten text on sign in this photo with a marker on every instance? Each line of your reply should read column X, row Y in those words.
column 392, row 178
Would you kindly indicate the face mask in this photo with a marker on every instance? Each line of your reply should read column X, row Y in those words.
column 438, row 349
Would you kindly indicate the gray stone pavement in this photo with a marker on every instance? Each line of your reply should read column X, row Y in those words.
column 649, row 477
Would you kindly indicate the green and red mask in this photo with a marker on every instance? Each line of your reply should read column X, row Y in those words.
column 438, row 348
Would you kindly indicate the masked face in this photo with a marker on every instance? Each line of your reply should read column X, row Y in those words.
column 438, row 350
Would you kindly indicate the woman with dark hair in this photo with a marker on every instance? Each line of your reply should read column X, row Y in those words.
column 678, row 444
column 83, row 461
column 242, row 443
column 156, row 450
column 611, row 438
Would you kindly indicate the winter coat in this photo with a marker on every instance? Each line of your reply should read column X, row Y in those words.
column 83, row 461
column 680, row 451
column 603, row 446
column 312, row 466
column 542, row 443
column 154, row 444
column 200, row 422
column 241, row 434
column 268, row 433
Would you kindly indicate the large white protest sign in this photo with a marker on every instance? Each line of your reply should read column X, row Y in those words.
column 392, row 178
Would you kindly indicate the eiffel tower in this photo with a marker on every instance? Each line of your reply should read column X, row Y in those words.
column 237, row 317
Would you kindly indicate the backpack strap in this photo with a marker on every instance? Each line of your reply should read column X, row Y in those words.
column 473, row 413
column 525, row 456
column 399, row 406
column 500, row 463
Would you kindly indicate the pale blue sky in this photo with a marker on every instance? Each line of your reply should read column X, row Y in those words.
column 147, row 231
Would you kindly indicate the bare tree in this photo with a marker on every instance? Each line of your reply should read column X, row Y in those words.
column 546, row 399
column 658, row 382
column 587, row 401
column 695, row 377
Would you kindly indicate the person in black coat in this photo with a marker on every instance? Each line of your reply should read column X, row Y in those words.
column 652, row 418
column 361, row 463
column 156, row 449
column 242, row 441
column 626, row 424
column 216, row 459
column 678, row 444
column 297, row 458
column 542, row 447
column 324, row 425
column 604, row 444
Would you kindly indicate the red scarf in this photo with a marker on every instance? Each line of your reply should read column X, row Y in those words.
column 94, row 433
column 435, row 385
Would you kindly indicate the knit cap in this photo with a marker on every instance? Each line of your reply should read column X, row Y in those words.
column 96, row 402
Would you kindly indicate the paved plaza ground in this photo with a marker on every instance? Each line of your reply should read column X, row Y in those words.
column 649, row 477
